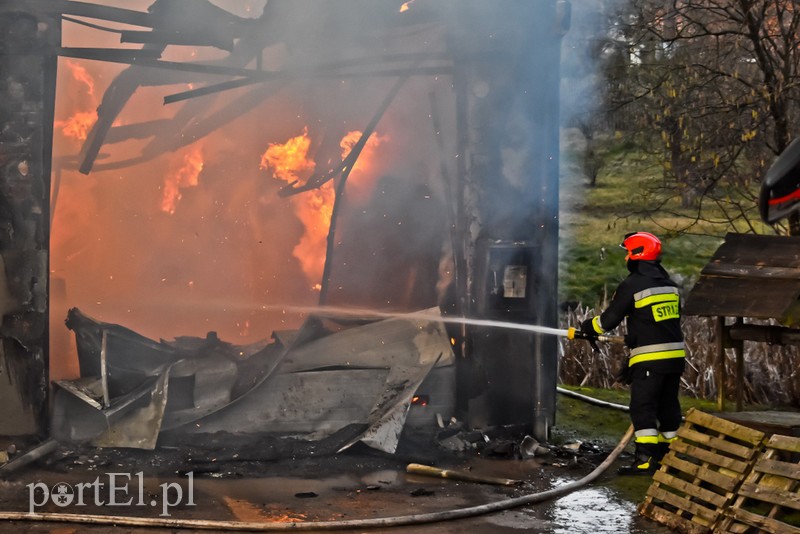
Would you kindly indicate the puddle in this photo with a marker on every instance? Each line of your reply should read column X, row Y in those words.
column 597, row 510
column 594, row 510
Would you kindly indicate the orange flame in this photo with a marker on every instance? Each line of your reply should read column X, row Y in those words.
column 185, row 176
column 80, row 74
column 288, row 161
column 78, row 125
column 406, row 5
column 360, row 180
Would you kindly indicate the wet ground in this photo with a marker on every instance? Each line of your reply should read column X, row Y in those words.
column 187, row 483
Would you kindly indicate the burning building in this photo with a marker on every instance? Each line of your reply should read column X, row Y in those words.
column 247, row 170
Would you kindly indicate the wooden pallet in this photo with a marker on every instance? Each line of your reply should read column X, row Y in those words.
column 701, row 472
column 769, row 493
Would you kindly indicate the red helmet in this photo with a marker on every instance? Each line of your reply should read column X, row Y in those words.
column 641, row 246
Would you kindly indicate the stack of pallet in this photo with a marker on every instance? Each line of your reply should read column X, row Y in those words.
column 770, row 495
column 720, row 476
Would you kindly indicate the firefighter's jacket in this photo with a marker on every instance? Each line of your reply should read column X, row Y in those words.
column 650, row 303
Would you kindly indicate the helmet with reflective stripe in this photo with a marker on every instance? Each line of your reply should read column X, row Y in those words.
column 641, row 246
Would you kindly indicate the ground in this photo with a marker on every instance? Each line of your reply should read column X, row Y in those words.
column 192, row 482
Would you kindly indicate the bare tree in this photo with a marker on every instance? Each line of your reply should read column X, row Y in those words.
column 716, row 83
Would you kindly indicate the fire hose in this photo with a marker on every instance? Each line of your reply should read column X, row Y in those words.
column 415, row 519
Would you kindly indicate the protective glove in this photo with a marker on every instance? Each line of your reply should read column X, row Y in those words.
column 587, row 329
column 624, row 374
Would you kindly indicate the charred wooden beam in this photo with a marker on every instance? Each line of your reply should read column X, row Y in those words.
column 114, row 55
column 243, row 82
column 308, row 73
column 775, row 335
column 177, row 38
column 348, row 163
column 86, row 9
column 751, row 271
column 208, row 90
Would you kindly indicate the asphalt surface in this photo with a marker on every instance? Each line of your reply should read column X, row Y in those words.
column 191, row 483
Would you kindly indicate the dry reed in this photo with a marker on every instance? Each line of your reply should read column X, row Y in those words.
column 771, row 371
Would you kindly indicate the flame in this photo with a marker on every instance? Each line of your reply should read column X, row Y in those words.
column 406, row 6
column 78, row 125
column 289, row 162
column 290, row 159
column 185, row 176
column 361, row 179
column 79, row 73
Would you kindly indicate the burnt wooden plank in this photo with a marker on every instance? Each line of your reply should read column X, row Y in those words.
column 767, row 484
column 124, row 55
column 750, row 249
column 673, row 521
column 86, row 9
column 770, row 495
column 733, row 297
column 766, row 524
column 778, row 468
column 704, row 514
column 759, row 272
column 750, row 276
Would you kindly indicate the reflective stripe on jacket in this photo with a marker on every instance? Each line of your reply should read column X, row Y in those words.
column 649, row 302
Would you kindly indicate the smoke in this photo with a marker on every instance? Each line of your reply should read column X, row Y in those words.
column 221, row 258
column 589, row 47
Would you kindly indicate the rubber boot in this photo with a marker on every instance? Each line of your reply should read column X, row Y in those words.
column 661, row 450
column 643, row 461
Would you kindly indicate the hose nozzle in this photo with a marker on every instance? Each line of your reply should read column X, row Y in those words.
column 573, row 333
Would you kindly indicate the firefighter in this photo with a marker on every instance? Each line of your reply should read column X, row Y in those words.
column 649, row 301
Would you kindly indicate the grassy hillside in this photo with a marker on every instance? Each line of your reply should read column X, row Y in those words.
column 594, row 220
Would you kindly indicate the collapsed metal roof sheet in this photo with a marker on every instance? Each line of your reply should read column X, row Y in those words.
column 754, row 276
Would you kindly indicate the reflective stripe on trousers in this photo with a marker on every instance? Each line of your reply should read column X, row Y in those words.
column 659, row 351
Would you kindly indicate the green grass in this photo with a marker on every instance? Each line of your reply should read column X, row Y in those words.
column 579, row 419
column 595, row 219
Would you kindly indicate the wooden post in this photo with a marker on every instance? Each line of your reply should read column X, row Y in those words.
column 721, row 334
column 104, row 369
column 738, row 349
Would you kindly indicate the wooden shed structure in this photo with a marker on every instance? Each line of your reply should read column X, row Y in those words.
column 754, row 277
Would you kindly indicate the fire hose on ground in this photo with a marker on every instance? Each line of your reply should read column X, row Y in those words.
column 416, row 519
column 378, row 522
